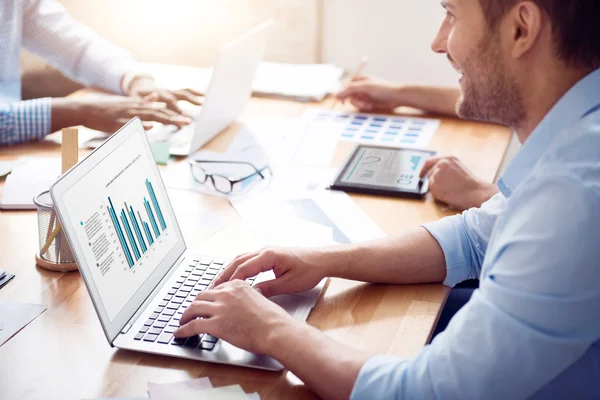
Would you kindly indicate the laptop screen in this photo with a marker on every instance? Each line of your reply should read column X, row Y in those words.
column 119, row 215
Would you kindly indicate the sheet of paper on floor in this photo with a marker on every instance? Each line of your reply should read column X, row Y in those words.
column 15, row 316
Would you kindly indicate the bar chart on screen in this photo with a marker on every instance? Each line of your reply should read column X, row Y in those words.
column 137, row 233
column 122, row 220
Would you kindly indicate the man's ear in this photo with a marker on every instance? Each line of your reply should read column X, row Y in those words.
column 525, row 22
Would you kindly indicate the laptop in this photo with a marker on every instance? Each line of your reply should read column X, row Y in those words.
column 227, row 94
column 122, row 230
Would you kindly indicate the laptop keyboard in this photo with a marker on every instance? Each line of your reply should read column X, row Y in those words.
column 161, row 324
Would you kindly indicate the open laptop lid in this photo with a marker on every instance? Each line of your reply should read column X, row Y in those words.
column 230, row 86
column 117, row 217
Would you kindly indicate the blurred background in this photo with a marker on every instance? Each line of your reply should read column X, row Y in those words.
column 395, row 34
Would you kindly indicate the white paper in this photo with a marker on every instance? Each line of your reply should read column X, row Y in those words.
column 298, row 81
column 287, row 141
column 7, row 166
column 27, row 180
column 194, row 390
column 86, row 138
column 384, row 130
column 178, row 390
column 293, row 233
column 335, row 210
column 15, row 316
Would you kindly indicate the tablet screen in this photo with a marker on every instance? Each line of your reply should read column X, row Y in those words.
column 387, row 167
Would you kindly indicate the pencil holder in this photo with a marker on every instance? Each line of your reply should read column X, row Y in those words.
column 54, row 251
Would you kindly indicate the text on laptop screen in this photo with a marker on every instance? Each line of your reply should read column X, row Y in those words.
column 123, row 231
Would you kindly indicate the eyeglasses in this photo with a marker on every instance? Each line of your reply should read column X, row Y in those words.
column 222, row 183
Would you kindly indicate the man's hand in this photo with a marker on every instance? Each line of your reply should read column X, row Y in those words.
column 296, row 270
column 141, row 87
column 109, row 113
column 238, row 314
column 452, row 183
column 370, row 95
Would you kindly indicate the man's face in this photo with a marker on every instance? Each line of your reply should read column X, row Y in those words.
column 488, row 91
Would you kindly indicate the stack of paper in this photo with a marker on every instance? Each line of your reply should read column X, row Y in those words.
column 303, row 82
column 200, row 388
column 27, row 180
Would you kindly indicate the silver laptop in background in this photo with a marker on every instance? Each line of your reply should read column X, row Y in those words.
column 131, row 254
column 227, row 94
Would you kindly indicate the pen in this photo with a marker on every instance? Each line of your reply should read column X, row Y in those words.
column 363, row 63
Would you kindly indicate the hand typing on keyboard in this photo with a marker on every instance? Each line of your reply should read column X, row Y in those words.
column 296, row 270
column 236, row 313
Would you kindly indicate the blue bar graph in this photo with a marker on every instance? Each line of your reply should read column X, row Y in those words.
column 148, row 234
column 124, row 246
column 151, row 216
column 131, row 227
column 136, row 227
column 136, row 252
column 156, row 206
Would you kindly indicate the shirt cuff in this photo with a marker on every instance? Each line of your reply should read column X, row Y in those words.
column 451, row 235
column 113, row 78
column 31, row 120
column 378, row 378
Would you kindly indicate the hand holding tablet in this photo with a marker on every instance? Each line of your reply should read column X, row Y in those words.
column 384, row 171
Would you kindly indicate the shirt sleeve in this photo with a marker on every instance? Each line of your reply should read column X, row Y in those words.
column 24, row 121
column 75, row 50
column 464, row 238
column 535, row 315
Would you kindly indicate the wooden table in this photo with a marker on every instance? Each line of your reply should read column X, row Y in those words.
column 64, row 353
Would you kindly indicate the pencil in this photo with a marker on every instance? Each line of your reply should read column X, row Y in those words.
column 363, row 63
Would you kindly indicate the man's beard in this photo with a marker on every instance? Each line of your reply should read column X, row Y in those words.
column 489, row 94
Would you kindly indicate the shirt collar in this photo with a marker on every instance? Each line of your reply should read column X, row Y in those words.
column 578, row 101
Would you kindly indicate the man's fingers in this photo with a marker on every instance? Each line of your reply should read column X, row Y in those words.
column 147, row 125
column 198, row 309
column 170, row 100
column 362, row 105
column 194, row 92
column 161, row 116
column 194, row 327
column 430, row 163
column 272, row 287
column 360, row 78
column 351, row 90
column 230, row 269
column 187, row 95
column 253, row 266
column 152, row 97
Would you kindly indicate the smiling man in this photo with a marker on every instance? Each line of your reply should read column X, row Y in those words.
column 532, row 328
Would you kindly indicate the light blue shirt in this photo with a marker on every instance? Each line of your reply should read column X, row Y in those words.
column 45, row 28
column 532, row 329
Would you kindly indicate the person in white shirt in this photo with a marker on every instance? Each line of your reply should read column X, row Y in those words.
column 45, row 28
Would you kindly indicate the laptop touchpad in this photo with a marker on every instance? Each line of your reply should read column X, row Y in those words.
column 296, row 306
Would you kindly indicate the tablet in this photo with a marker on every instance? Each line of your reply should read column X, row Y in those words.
column 386, row 171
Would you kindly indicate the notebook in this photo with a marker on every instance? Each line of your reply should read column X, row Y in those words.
column 27, row 180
